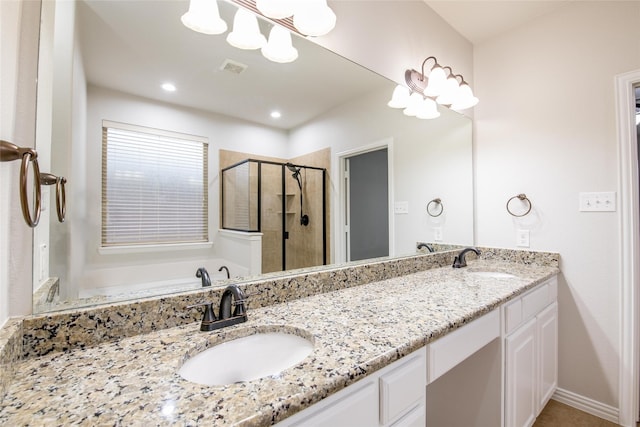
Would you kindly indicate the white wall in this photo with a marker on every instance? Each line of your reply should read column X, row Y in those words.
column 546, row 126
column 19, row 46
column 431, row 158
column 96, row 270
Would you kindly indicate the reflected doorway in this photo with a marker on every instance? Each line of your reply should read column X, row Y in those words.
column 367, row 223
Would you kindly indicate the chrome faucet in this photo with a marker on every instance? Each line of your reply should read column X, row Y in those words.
column 203, row 274
column 460, row 261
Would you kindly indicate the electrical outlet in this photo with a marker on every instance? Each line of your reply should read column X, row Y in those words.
column 437, row 234
column 598, row 202
column 522, row 238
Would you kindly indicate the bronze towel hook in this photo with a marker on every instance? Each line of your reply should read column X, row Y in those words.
column 10, row 152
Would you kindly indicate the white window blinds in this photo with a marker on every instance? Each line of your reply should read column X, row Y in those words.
column 154, row 186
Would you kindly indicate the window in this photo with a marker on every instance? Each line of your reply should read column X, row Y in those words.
column 154, row 186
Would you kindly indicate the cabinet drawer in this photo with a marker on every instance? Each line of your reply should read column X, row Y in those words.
column 512, row 315
column 402, row 388
column 448, row 351
column 535, row 301
column 415, row 418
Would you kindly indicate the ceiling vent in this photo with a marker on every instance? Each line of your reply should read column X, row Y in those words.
column 233, row 66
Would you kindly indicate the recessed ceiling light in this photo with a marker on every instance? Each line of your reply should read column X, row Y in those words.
column 276, row 114
column 169, row 87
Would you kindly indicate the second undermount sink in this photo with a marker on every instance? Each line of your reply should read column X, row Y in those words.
column 246, row 359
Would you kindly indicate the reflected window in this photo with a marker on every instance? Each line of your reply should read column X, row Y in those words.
column 154, row 186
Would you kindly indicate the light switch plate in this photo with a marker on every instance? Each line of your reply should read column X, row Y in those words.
column 598, row 202
column 522, row 238
column 401, row 208
column 437, row 234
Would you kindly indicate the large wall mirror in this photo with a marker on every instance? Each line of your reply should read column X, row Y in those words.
column 104, row 62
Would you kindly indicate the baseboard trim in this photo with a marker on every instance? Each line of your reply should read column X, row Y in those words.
column 587, row 405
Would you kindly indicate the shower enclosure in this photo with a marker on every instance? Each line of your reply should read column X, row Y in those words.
column 287, row 203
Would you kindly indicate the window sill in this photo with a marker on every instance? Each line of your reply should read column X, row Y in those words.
column 136, row 249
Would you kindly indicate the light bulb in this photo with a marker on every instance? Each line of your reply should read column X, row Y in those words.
column 279, row 48
column 314, row 18
column 465, row 98
column 450, row 91
column 428, row 109
column 415, row 100
column 246, row 32
column 436, row 83
column 400, row 97
column 203, row 16
column 276, row 9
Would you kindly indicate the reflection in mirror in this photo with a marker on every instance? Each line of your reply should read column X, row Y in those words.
column 106, row 61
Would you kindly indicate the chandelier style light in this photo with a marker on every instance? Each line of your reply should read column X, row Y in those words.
column 425, row 90
column 310, row 17
column 203, row 16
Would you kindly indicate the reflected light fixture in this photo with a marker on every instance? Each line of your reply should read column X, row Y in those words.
column 203, row 16
column 423, row 91
column 168, row 87
column 275, row 114
column 279, row 47
column 314, row 17
column 246, row 31
column 276, row 9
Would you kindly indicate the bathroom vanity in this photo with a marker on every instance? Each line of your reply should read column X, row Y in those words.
column 382, row 352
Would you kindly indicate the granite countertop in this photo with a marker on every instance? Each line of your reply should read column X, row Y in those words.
column 358, row 330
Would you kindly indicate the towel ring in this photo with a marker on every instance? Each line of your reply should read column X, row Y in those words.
column 61, row 200
column 10, row 152
column 522, row 197
column 436, row 202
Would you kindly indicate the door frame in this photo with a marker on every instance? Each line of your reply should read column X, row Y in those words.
column 340, row 204
column 629, row 216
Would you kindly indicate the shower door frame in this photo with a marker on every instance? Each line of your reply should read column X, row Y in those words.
column 284, row 203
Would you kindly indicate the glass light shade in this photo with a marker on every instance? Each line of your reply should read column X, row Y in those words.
column 314, row 18
column 276, row 9
column 203, row 16
column 436, row 83
column 428, row 109
column 279, row 48
column 465, row 98
column 450, row 92
column 415, row 101
column 400, row 97
column 246, row 32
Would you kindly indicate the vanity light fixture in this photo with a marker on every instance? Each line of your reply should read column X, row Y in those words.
column 279, row 48
column 203, row 16
column 428, row 89
column 314, row 18
column 276, row 9
column 246, row 31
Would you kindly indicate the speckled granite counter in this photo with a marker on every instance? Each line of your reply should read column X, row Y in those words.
column 357, row 330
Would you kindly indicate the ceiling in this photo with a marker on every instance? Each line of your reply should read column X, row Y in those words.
column 480, row 20
column 127, row 49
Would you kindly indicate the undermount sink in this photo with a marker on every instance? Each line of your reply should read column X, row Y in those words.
column 492, row 274
column 246, row 359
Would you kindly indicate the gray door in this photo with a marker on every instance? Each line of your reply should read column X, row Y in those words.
column 368, row 205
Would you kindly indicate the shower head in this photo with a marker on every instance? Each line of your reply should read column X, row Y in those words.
column 292, row 168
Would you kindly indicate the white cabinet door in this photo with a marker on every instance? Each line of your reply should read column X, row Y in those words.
column 520, row 376
column 547, row 326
